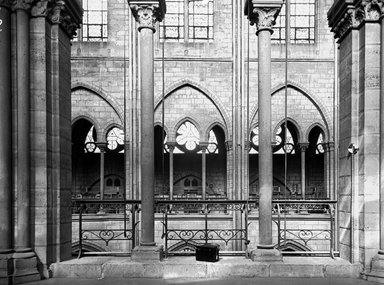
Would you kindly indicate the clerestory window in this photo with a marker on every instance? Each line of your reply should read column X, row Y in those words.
column 95, row 20
column 188, row 20
column 302, row 23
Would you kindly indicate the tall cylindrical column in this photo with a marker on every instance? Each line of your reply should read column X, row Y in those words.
column 203, row 170
column 23, row 127
column 381, row 251
column 326, row 169
column 303, row 149
column 265, row 137
column 171, row 149
column 147, row 13
column 263, row 13
column 5, row 131
column 147, row 136
column 331, row 171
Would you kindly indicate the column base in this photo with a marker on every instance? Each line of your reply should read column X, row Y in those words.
column 266, row 253
column 377, row 268
column 25, row 266
column 6, row 266
column 147, row 253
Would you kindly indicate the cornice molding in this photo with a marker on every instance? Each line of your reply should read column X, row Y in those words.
column 147, row 13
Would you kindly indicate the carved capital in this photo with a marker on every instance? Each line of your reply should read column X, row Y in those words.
column 5, row 3
column 229, row 145
column 263, row 13
column 67, row 14
column 373, row 9
column 21, row 4
column 147, row 13
column 346, row 15
column 40, row 9
column 303, row 146
column 55, row 13
column 204, row 146
column 171, row 146
column 265, row 18
column 351, row 19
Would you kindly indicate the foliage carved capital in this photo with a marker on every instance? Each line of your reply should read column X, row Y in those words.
column 147, row 15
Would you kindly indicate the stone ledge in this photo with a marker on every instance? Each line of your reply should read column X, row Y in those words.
column 188, row 267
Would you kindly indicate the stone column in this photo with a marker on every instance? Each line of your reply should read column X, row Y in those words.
column 147, row 13
column 229, row 149
column 23, row 239
column 263, row 14
column 171, row 148
column 24, row 258
column 331, row 171
column 377, row 269
column 303, row 149
column 326, row 168
column 5, row 143
column 203, row 146
column 103, row 147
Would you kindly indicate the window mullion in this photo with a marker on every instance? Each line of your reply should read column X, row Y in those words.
column 186, row 21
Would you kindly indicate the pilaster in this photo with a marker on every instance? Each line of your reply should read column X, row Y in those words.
column 355, row 24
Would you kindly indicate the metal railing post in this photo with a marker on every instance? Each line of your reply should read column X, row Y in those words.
column 80, row 231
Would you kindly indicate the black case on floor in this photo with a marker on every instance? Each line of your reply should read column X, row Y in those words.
column 207, row 252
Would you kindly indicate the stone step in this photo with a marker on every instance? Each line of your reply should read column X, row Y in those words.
column 188, row 267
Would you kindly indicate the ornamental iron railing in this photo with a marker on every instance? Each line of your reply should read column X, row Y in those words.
column 304, row 227
column 207, row 230
column 310, row 238
column 129, row 210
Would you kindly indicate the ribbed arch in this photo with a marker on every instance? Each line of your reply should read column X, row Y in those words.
column 103, row 95
column 212, row 97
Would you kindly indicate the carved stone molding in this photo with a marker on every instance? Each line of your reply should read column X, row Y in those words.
column 147, row 14
column 345, row 15
column 66, row 13
column 21, row 4
column 229, row 145
column 40, row 9
column 5, row 3
column 264, row 18
column 373, row 9
column 263, row 13
column 352, row 19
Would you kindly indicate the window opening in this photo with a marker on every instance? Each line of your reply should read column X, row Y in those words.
column 187, row 137
column 188, row 20
column 200, row 19
column 319, row 144
column 115, row 139
column 94, row 28
column 212, row 143
column 254, row 141
column 89, row 144
column 302, row 23
column 172, row 26
column 287, row 147
column 109, row 182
